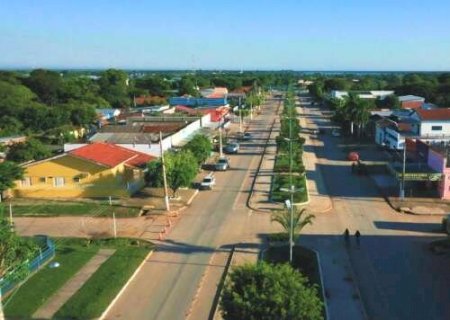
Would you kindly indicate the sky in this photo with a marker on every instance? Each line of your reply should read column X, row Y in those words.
column 318, row 35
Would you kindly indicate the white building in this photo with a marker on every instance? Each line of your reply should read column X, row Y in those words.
column 431, row 126
column 373, row 94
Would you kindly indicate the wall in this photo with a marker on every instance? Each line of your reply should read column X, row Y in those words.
column 425, row 128
column 182, row 134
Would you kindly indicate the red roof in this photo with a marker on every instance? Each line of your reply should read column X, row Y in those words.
column 111, row 155
column 434, row 114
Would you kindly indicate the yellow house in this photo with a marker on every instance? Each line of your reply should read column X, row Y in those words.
column 94, row 170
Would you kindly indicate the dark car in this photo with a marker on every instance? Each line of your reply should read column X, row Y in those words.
column 247, row 136
column 231, row 148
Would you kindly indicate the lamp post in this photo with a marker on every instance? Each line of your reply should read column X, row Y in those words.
column 290, row 207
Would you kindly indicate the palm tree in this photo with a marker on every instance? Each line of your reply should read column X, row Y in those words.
column 300, row 219
column 357, row 111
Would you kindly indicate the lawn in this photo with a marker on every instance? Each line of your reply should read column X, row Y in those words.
column 72, row 254
column 96, row 294
column 37, row 289
column 67, row 208
column 283, row 181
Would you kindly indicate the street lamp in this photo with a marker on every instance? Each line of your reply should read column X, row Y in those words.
column 290, row 207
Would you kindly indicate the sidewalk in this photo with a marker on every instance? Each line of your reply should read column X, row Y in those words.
column 56, row 301
column 319, row 203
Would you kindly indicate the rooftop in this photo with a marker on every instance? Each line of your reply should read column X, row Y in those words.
column 434, row 114
column 111, row 155
column 410, row 97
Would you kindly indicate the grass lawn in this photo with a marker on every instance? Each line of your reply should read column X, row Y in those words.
column 282, row 181
column 96, row 294
column 36, row 290
column 67, row 208
column 72, row 254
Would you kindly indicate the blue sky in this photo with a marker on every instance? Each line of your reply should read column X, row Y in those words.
column 248, row 34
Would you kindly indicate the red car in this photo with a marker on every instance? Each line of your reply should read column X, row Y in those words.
column 353, row 156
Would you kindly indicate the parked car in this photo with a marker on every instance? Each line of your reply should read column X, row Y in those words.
column 208, row 182
column 231, row 148
column 222, row 164
column 336, row 133
column 247, row 136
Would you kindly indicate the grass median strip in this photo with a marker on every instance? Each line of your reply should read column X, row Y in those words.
column 96, row 294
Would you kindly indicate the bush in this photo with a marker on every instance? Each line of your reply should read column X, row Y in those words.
column 265, row 291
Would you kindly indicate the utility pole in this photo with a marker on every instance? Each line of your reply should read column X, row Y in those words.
column 114, row 225
column 240, row 115
column 166, row 195
column 402, row 189
column 220, row 138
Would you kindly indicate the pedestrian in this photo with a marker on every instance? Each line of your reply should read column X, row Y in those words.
column 346, row 236
column 357, row 235
column 353, row 167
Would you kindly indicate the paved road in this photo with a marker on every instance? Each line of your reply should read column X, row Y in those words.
column 167, row 284
column 397, row 276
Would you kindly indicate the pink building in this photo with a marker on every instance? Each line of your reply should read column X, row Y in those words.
column 437, row 160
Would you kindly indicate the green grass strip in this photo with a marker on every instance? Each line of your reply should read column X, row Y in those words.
column 96, row 294
column 42, row 285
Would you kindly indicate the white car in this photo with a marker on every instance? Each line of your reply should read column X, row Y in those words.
column 336, row 133
column 208, row 182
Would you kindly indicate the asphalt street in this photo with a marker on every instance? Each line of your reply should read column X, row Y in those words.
column 166, row 286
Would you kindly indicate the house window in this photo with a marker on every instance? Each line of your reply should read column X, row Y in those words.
column 42, row 179
column 436, row 128
column 58, row 182
column 76, row 179
column 26, row 182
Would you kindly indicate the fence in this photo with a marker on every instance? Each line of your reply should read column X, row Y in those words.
column 7, row 286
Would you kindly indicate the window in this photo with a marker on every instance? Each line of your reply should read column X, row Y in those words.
column 76, row 179
column 436, row 128
column 26, row 182
column 58, row 182
column 42, row 179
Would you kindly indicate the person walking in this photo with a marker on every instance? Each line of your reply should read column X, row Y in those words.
column 357, row 235
column 347, row 237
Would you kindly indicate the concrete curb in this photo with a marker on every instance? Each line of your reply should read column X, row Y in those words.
column 324, row 297
column 103, row 315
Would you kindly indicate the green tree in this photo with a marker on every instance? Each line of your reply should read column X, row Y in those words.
column 10, row 126
column 300, row 220
column 9, row 173
column 181, row 169
column 14, row 255
column 32, row 149
column 46, row 84
column 390, row 102
column 114, row 88
column 264, row 291
column 187, row 86
column 201, row 147
column 153, row 176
